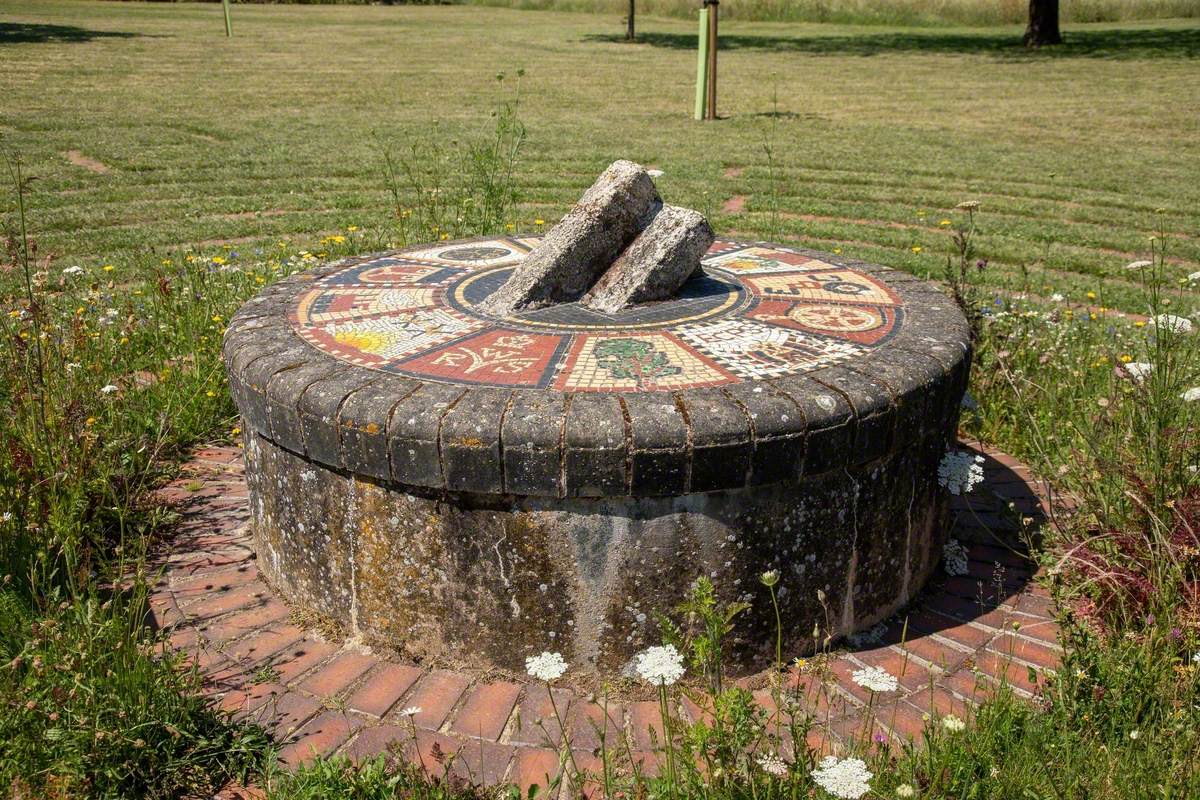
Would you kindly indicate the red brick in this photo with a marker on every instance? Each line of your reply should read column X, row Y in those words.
column 936, row 652
column 339, row 673
column 535, row 765
column 378, row 739
column 234, row 626
column 480, row 762
column 321, row 736
column 382, row 687
column 218, row 603
column 288, row 711
column 588, row 724
column 538, row 723
column 1042, row 630
column 267, row 642
column 436, row 695
column 486, row 710
column 645, row 724
column 1006, row 670
column 1017, row 647
column 300, row 657
column 965, row 635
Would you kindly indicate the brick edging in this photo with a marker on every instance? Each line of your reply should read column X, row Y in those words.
column 316, row 696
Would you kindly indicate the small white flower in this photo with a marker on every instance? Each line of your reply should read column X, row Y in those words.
column 71, row 271
column 108, row 389
column 411, row 711
column 1196, row 658
column 994, row 772
column 1135, row 735
column 109, row 316
column 953, row 724
column 1191, row 395
column 968, row 205
column 1057, row 298
column 1132, row 265
column 1138, row 371
column 769, row 578
column 546, row 667
column 905, row 790
column 6, row 516
column 846, row 778
column 1173, row 323
column 954, row 558
column 654, row 173
column 1194, row 277
column 773, row 765
column 661, row 666
column 959, row 471
column 875, row 679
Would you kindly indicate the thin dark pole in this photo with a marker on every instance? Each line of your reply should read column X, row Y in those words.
column 712, row 57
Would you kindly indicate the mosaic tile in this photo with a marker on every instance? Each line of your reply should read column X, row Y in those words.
column 753, row 312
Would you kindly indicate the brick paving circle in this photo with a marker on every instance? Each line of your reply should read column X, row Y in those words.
column 318, row 696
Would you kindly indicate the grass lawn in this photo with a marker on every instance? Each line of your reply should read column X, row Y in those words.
column 160, row 147
column 210, row 141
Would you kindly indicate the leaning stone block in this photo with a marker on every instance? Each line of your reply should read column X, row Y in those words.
column 587, row 240
column 656, row 264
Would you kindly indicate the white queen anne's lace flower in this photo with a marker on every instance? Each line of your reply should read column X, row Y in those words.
column 1173, row 323
column 905, row 790
column 546, row 667
column 1138, row 371
column 1192, row 395
column 73, row 271
column 661, row 666
column 959, row 471
column 954, row 558
column 109, row 389
column 953, row 724
column 875, row 679
column 1135, row 265
column 773, row 765
column 847, row 778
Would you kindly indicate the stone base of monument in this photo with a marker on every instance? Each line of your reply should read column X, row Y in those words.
column 491, row 579
column 480, row 488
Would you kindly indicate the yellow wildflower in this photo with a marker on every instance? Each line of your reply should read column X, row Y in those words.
column 944, row 223
column 539, row 222
column 1126, row 358
column 916, row 248
column 218, row 260
column 108, row 268
column 1091, row 295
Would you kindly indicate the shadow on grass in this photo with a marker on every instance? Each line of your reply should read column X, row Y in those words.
column 30, row 33
column 1123, row 44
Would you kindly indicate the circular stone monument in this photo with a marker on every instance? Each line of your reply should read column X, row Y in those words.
column 479, row 489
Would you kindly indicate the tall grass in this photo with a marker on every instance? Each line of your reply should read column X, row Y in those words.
column 880, row 12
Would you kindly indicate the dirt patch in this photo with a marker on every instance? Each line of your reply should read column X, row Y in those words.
column 270, row 212
column 80, row 160
column 735, row 204
column 733, row 172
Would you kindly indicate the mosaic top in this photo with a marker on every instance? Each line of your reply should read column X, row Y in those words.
column 755, row 312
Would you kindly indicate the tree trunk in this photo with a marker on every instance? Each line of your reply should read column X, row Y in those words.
column 1043, row 23
column 629, row 35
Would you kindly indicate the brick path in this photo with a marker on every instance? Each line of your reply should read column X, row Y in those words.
column 964, row 634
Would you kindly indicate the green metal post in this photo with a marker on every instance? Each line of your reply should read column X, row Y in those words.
column 228, row 23
column 702, row 65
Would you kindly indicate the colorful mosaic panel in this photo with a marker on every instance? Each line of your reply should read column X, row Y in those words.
column 637, row 363
column 755, row 312
column 753, row 349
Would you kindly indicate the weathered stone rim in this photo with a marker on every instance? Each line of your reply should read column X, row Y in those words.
column 554, row 443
